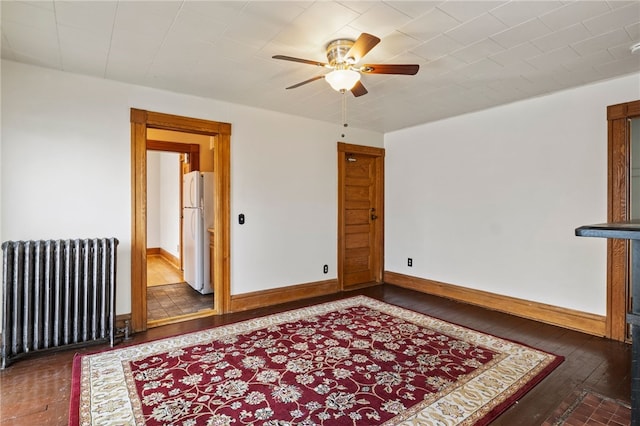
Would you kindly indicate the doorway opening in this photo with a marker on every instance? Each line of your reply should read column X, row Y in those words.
column 218, row 140
column 171, row 294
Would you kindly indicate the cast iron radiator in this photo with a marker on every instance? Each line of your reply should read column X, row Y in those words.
column 57, row 293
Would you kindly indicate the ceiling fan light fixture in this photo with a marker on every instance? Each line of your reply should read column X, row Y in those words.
column 342, row 80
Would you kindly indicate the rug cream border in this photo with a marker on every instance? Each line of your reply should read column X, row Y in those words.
column 105, row 400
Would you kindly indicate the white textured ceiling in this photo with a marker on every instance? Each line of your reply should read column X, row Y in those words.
column 472, row 54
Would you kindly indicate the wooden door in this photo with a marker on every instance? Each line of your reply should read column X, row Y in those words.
column 360, row 216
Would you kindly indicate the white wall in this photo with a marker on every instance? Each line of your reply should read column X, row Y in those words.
column 169, row 207
column 1, row 172
column 490, row 200
column 66, row 172
column 163, row 201
column 154, row 212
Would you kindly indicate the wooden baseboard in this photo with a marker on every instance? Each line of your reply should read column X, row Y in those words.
column 568, row 318
column 165, row 254
column 122, row 319
column 258, row 299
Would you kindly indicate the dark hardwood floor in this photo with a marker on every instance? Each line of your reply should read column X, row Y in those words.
column 35, row 390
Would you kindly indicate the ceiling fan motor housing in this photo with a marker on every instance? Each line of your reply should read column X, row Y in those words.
column 337, row 52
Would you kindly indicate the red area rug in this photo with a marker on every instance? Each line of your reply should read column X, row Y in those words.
column 351, row 362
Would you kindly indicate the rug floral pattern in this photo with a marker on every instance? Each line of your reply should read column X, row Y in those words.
column 350, row 362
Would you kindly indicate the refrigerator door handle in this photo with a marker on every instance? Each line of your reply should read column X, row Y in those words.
column 193, row 223
column 191, row 192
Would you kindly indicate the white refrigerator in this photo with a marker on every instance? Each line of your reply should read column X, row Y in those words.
column 197, row 213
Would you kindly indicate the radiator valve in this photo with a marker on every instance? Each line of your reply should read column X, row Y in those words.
column 124, row 330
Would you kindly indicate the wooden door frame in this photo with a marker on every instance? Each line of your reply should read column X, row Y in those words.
column 141, row 120
column 193, row 149
column 618, row 209
column 378, row 244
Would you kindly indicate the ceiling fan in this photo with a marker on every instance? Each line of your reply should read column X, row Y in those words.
column 343, row 55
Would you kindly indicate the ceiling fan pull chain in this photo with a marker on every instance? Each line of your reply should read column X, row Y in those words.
column 344, row 112
column 344, row 109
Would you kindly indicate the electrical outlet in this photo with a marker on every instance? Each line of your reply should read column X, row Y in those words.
column 409, row 262
column 325, row 269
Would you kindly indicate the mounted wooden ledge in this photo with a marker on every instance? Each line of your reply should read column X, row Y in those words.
column 563, row 317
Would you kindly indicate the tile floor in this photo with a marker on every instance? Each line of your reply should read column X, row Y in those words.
column 587, row 408
column 167, row 294
column 171, row 300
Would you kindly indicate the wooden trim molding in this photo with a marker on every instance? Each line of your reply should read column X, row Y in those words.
column 563, row 317
column 378, row 243
column 624, row 110
column 274, row 296
column 361, row 149
column 618, row 209
column 141, row 120
column 138, row 223
column 193, row 149
column 158, row 120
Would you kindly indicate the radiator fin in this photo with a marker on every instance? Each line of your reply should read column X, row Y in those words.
column 57, row 293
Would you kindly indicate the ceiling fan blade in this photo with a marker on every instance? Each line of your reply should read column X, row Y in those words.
column 358, row 89
column 362, row 46
column 303, row 61
column 318, row 77
column 390, row 69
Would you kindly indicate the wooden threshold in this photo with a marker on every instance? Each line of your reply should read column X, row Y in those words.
column 180, row 318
